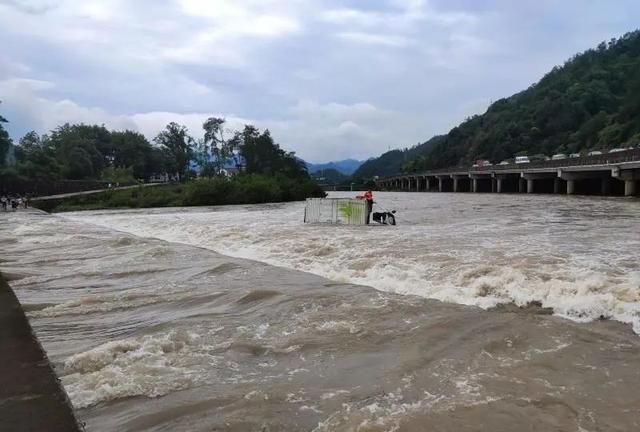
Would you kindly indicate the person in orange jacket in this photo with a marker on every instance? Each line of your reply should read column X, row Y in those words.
column 368, row 197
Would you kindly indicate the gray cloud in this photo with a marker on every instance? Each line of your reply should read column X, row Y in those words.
column 35, row 7
column 331, row 79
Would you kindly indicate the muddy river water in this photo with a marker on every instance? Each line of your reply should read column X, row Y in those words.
column 245, row 319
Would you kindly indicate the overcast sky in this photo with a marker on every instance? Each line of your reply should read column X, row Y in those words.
column 331, row 79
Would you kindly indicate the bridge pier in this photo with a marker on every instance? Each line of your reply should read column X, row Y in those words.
column 481, row 182
column 539, row 182
column 571, row 187
column 610, row 174
column 521, row 185
column 629, row 177
column 586, row 182
column 529, row 186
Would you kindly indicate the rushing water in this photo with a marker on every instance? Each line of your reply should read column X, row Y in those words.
column 156, row 320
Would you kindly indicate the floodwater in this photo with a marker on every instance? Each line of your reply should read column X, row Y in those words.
column 245, row 319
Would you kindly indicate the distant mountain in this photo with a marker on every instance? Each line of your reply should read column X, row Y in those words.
column 392, row 161
column 329, row 176
column 347, row 166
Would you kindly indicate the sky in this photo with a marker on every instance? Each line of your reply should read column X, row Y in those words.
column 330, row 79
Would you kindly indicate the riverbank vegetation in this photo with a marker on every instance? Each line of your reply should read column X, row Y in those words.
column 224, row 167
column 241, row 189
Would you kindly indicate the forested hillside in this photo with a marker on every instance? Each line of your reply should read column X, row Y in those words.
column 392, row 161
column 329, row 176
column 591, row 102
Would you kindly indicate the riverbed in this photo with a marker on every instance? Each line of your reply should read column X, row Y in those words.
column 244, row 318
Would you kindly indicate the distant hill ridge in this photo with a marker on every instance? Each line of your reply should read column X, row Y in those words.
column 591, row 102
column 346, row 166
column 392, row 161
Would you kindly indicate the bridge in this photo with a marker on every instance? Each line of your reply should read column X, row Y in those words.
column 342, row 187
column 616, row 173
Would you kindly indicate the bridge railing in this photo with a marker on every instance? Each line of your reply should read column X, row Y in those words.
column 42, row 188
column 632, row 155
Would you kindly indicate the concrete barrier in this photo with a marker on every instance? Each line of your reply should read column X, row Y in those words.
column 31, row 397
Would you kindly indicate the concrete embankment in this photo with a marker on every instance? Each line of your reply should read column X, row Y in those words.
column 31, row 398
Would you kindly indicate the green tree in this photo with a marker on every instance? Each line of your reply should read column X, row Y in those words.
column 36, row 157
column 83, row 151
column 132, row 150
column 214, row 150
column 263, row 156
column 5, row 141
column 178, row 145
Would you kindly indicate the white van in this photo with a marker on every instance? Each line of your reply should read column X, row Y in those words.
column 522, row 159
column 594, row 153
column 558, row 156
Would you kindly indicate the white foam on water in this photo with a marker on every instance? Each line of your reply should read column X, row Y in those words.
column 331, row 395
column 149, row 366
column 547, row 250
column 97, row 303
column 338, row 326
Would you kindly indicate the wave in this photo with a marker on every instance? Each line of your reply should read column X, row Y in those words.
column 581, row 276
column 105, row 303
column 150, row 366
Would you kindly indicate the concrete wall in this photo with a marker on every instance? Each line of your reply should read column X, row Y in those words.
column 31, row 397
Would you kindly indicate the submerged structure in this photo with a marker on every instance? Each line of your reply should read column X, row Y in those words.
column 342, row 211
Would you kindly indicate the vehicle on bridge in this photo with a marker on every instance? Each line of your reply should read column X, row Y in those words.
column 522, row 159
column 482, row 163
column 594, row 153
column 559, row 156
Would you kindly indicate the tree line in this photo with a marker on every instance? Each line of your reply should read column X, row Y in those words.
column 92, row 152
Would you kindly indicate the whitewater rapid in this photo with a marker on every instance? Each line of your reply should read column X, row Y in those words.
column 576, row 255
column 150, row 329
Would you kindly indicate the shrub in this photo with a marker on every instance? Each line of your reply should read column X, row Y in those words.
column 242, row 189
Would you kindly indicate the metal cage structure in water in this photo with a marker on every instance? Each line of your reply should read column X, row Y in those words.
column 337, row 211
